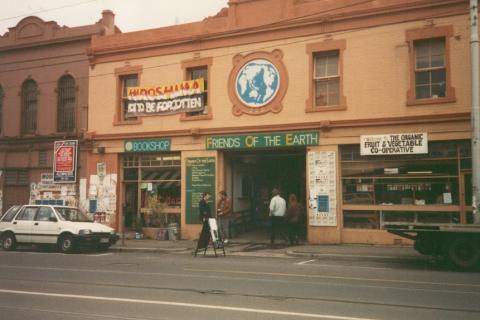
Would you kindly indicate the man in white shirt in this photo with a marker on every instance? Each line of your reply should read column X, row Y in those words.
column 278, row 208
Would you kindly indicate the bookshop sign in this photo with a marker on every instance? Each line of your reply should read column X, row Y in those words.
column 393, row 144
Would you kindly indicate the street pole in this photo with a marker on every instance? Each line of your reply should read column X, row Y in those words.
column 475, row 110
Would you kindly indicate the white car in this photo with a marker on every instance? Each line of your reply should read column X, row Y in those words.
column 66, row 227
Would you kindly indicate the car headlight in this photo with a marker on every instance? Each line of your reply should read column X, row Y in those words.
column 84, row 232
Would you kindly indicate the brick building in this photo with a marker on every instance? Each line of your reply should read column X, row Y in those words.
column 359, row 108
column 43, row 98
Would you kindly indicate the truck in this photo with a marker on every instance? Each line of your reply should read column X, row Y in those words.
column 457, row 244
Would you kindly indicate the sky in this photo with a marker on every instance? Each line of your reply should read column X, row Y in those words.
column 130, row 15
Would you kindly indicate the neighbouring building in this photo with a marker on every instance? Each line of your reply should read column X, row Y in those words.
column 359, row 108
column 44, row 72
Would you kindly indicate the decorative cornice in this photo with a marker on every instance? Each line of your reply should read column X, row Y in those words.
column 318, row 125
column 213, row 32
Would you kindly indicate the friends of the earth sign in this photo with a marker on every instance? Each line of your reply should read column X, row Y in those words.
column 402, row 143
column 268, row 140
column 186, row 96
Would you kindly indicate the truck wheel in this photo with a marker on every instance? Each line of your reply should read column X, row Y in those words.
column 9, row 242
column 65, row 243
column 463, row 253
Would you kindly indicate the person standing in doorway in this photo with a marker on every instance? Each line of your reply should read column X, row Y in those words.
column 294, row 218
column 278, row 208
column 224, row 209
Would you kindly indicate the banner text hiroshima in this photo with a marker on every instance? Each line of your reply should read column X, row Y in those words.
column 186, row 96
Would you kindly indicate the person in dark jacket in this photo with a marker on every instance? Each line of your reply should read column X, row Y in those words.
column 294, row 218
column 205, row 212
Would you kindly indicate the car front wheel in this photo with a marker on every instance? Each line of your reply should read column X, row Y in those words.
column 9, row 242
column 66, row 243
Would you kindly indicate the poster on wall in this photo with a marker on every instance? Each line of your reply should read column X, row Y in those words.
column 322, row 183
column 200, row 179
column 65, row 161
column 392, row 144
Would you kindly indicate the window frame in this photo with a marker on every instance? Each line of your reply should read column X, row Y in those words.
column 23, row 105
column 414, row 35
column 121, row 73
column 61, row 103
column 313, row 50
column 187, row 66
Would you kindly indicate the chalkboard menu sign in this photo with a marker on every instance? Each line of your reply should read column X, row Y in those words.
column 200, row 178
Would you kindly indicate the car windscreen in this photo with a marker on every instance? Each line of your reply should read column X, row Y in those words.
column 10, row 214
column 72, row 214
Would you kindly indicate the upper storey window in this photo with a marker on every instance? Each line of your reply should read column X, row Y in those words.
column 127, row 81
column 1, row 108
column 199, row 69
column 325, row 92
column 327, row 78
column 29, row 107
column 430, row 71
column 66, row 104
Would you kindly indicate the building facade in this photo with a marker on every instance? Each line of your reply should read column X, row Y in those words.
column 43, row 98
column 360, row 109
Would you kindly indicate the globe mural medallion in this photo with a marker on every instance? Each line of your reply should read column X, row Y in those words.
column 257, row 83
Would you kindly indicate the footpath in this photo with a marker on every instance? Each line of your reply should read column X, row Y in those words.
column 280, row 250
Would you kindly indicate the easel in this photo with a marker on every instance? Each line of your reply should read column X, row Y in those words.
column 210, row 234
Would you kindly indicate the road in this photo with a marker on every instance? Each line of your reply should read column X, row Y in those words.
column 44, row 285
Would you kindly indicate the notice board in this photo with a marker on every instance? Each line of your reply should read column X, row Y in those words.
column 200, row 179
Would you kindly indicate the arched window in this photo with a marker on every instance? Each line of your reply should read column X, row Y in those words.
column 66, row 104
column 1, row 109
column 29, row 106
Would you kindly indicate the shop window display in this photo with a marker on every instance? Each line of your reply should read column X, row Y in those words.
column 405, row 188
column 153, row 187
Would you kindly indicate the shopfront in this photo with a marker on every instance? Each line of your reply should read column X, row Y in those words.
column 152, row 187
column 430, row 183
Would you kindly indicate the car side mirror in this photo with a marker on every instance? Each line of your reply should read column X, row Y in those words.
column 52, row 219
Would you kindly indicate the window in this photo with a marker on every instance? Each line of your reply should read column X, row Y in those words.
column 430, row 66
column 381, row 189
column 16, row 178
column 42, row 158
column 1, row 108
column 127, row 76
column 127, row 82
column 44, row 214
column 327, row 78
column 198, row 69
column 430, row 73
column 66, row 104
column 28, row 214
column 199, row 73
column 29, row 107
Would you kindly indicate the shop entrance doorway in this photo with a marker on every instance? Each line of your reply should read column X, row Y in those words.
column 249, row 180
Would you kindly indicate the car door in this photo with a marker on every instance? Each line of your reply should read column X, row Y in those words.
column 23, row 224
column 45, row 228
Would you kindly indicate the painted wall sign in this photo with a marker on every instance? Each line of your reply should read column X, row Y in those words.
column 322, row 183
column 186, row 96
column 200, row 179
column 65, row 161
column 269, row 140
column 257, row 83
column 156, row 145
column 401, row 143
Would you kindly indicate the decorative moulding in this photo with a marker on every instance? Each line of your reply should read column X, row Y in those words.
column 258, row 104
